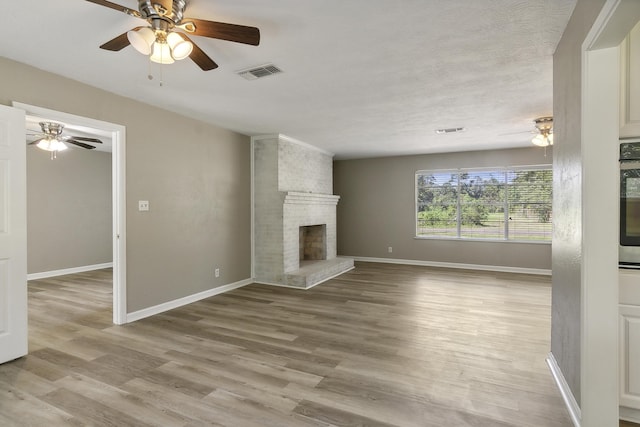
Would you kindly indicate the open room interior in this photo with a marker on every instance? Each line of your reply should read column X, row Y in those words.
column 398, row 213
column 69, row 211
column 380, row 345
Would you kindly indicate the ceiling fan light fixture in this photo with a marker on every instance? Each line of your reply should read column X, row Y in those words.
column 544, row 125
column 180, row 48
column 142, row 40
column 162, row 53
column 540, row 141
column 51, row 144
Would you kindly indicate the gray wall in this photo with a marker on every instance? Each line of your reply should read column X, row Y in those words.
column 567, row 190
column 68, row 209
column 377, row 210
column 195, row 175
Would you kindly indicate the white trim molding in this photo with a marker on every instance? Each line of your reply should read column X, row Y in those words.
column 599, row 275
column 252, row 163
column 630, row 414
column 65, row 271
column 565, row 390
column 481, row 267
column 170, row 305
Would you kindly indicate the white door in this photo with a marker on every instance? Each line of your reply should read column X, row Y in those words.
column 13, row 234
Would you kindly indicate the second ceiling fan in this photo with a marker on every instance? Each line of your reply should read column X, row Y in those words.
column 166, row 39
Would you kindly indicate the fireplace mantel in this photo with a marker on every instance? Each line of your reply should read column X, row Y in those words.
column 299, row 198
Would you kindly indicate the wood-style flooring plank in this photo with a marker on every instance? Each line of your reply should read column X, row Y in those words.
column 382, row 345
column 91, row 412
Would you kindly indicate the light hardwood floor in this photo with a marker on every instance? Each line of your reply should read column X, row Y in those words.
column 383, row 345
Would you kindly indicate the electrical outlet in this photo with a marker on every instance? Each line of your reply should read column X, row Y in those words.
column 390, row 249
column 143, row 205
column 217, row 272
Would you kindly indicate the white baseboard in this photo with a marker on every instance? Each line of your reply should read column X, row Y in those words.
column 630, row 414
column 169, row 305
column 65, row 271
column 499, row 268
column 258, row 282
column 565, row 390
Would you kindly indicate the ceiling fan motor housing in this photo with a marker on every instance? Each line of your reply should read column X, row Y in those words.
column 150, row 9
column 51, row 129
column 544, row 123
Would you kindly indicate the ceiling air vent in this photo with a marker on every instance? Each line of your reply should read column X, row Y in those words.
column 259, row 72
column 449, row 130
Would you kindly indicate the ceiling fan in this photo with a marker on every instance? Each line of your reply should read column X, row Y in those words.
column 51, row 139
column 166, row 37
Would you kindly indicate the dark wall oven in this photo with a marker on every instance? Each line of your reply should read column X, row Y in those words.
column 629, row 250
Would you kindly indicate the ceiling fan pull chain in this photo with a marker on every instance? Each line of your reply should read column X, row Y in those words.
column 149, row 75
column 160, row 65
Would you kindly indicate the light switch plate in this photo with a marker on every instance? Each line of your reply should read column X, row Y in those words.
column 143, row 205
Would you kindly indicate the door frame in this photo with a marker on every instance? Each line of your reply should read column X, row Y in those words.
column 600, row 170
column 13, row 266
column 118, row 185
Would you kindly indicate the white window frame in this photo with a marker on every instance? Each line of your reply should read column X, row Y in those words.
column 460, row 171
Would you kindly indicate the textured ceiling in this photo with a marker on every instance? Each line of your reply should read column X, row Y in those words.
column 361, row 78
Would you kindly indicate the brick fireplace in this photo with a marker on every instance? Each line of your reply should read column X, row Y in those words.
column 293, row 184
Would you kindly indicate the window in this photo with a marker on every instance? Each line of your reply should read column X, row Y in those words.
column 511, row 204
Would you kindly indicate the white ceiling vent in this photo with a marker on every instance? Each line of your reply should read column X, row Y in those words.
column 449, row 130
column 259, row 72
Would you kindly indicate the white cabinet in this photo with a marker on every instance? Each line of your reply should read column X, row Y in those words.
column 629, row 330
column 629, row 287
column 630, row 356
column 630, row 85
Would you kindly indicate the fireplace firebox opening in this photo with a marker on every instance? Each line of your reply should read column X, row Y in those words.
column 313, row 242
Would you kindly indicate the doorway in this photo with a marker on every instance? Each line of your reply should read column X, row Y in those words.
column 117, row 135
column 600, row 97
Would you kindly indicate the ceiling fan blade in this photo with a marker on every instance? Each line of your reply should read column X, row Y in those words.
column 198, row 56
column 221, row 30
column 82, row 138
column 115, row 6
column 118, row 43
column 79, row 144
column 518, row 133
column 34, row 137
